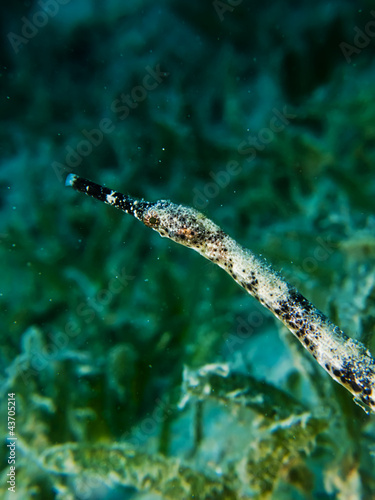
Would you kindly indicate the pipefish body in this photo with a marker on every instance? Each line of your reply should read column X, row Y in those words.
column 346, row 360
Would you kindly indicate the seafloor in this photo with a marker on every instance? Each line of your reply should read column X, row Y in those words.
column 139, row 369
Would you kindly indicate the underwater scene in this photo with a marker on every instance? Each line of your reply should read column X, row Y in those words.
column 132, row 368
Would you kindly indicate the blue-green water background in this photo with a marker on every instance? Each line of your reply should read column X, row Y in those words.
column 261, row 115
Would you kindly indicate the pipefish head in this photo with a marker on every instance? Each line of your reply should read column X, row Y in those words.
column 184, row 225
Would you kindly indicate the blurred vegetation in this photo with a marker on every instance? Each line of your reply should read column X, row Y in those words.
column 123, row 348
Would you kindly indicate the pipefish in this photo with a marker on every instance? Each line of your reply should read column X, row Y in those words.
column 346, row 360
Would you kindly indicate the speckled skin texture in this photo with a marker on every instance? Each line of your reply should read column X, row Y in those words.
column 346, row 360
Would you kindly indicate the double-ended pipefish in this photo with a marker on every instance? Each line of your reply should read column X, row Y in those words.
column 345, row 359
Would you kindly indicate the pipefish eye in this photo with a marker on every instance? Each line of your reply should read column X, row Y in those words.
column 152, row 220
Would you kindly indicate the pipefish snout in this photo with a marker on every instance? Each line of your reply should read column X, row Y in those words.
column 346, row 360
